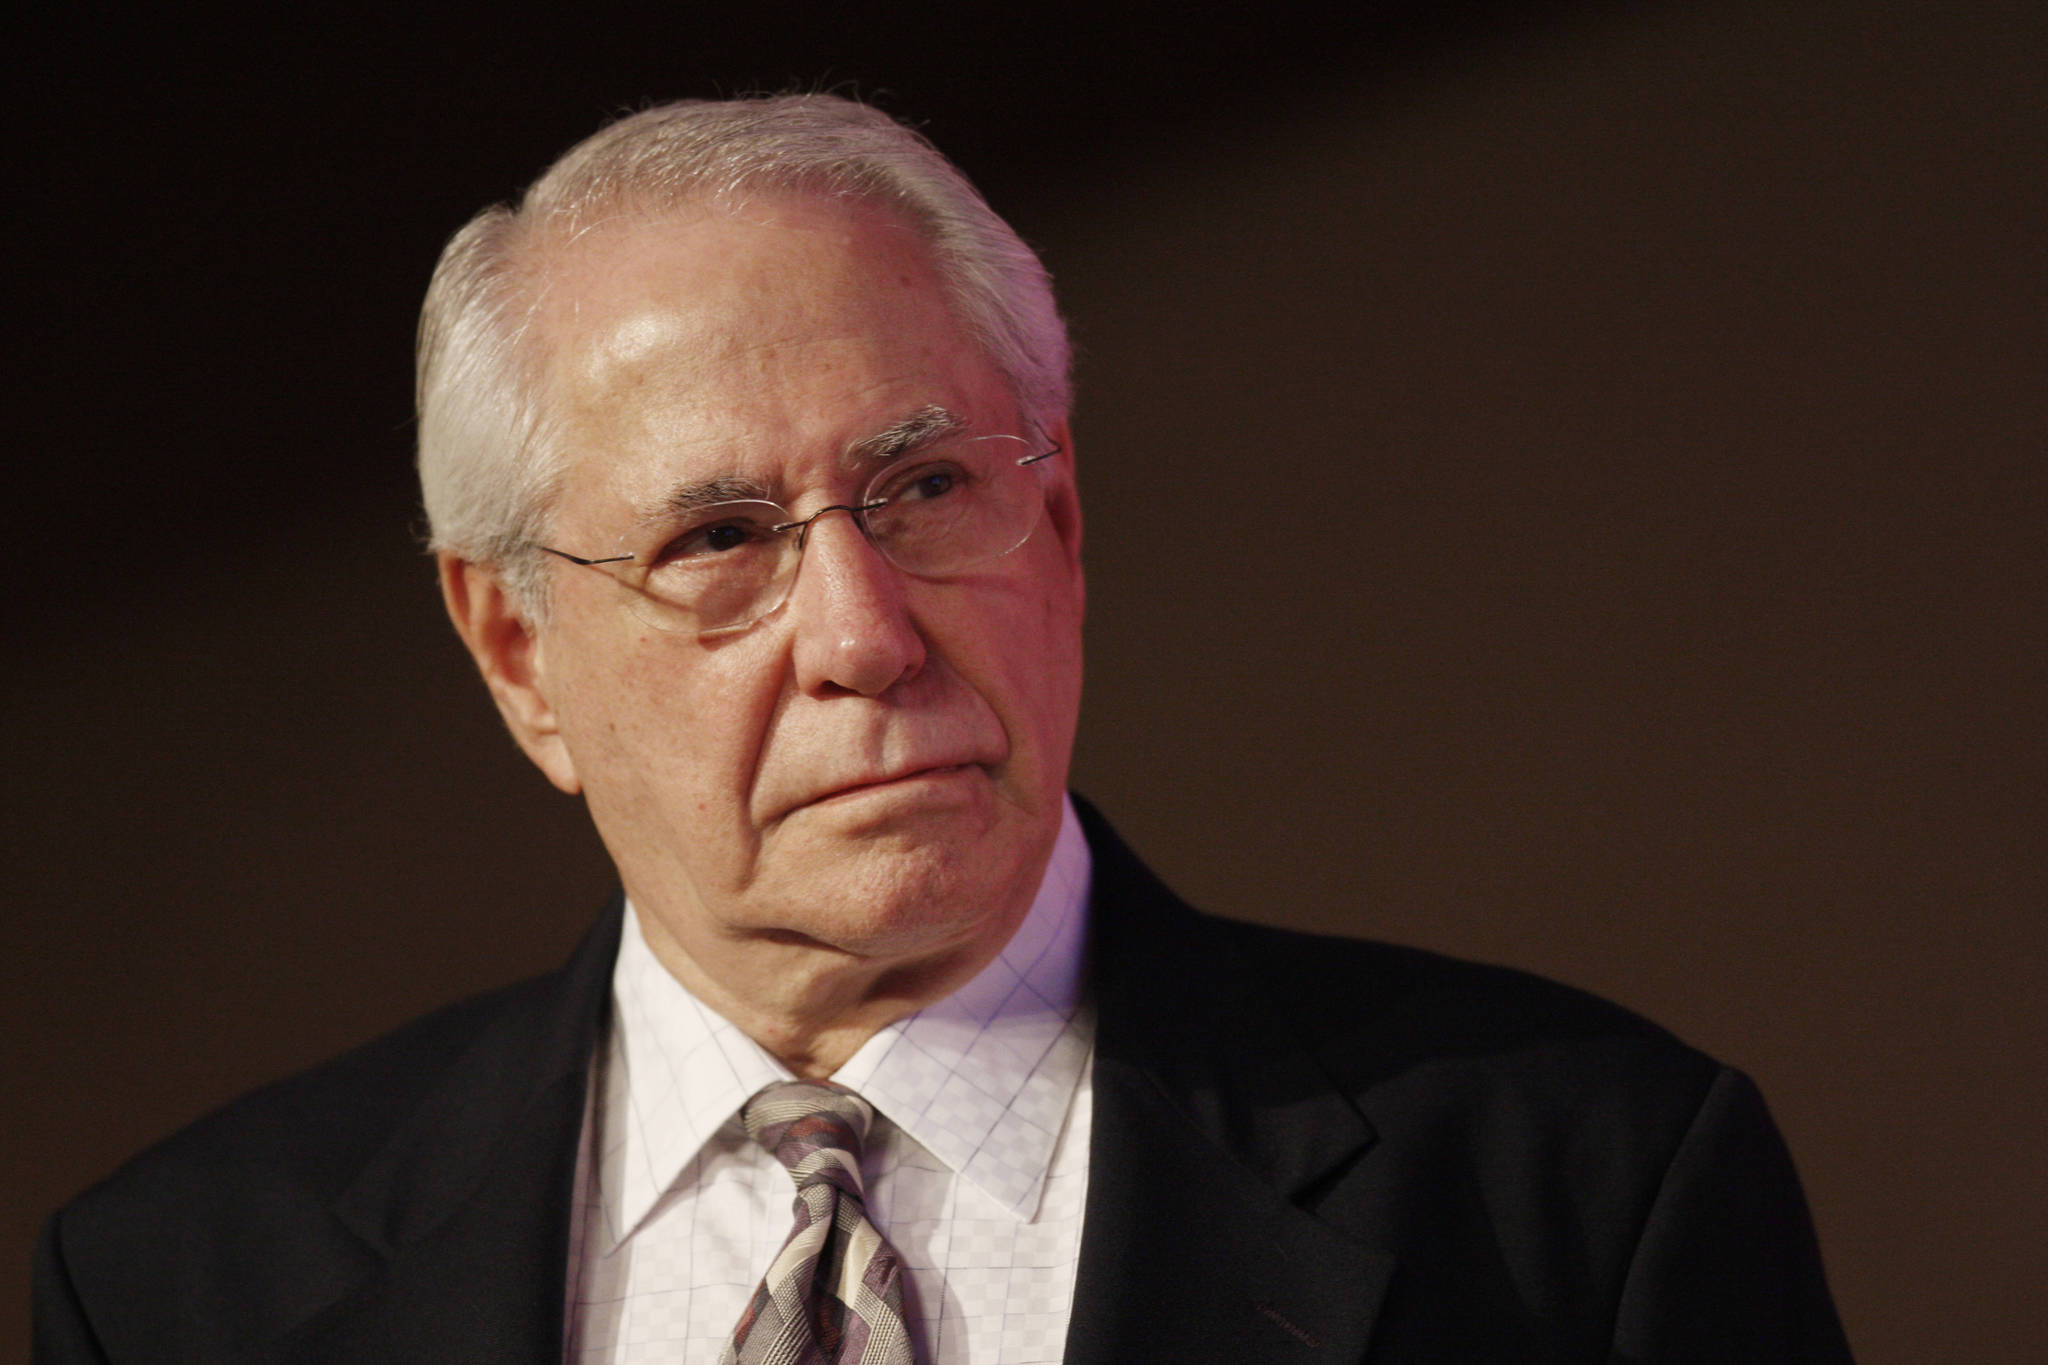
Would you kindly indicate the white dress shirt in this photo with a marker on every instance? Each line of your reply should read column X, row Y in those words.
column 976, row 1167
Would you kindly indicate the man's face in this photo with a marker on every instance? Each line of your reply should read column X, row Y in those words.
column 879, row 765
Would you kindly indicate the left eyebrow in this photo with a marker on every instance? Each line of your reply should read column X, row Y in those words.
column 928, row 424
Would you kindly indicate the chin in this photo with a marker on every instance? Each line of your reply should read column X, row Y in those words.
column 905, row 902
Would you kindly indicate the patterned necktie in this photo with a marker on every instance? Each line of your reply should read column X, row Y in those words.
column 834, row 1295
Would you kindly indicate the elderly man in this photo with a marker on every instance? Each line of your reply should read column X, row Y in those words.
column 744, row 440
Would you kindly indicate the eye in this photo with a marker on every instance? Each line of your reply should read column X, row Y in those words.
column 926, row 483
column 714, row 538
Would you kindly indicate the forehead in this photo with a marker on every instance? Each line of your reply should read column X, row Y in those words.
column 739, row 341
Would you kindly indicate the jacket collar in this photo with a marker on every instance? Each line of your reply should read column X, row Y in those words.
column 1215, row 1127
column 468, row 1203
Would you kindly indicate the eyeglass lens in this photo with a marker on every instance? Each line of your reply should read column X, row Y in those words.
column 937, row 513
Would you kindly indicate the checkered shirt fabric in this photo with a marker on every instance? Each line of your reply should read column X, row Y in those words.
column 975, row 1169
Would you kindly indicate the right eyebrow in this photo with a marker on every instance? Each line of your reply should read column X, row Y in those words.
column 691, row 497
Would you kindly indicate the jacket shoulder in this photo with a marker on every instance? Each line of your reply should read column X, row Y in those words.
column 1333, row 986
column 1422, row 1031
column 217, row 1235
column 313, row 1130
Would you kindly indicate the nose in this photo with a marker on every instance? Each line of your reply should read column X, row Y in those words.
column 853, row 632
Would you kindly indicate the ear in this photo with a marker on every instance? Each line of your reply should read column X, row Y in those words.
column 1063, row 506
column 507, row 650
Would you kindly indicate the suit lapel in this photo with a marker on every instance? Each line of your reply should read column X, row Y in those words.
column 1214, row 1129
column 468, row 1204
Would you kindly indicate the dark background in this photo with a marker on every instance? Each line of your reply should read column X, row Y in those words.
column 1565, row 486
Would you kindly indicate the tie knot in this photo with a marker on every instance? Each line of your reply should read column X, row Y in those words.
column 814, row 1128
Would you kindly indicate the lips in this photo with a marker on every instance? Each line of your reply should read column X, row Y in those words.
column 863, row 785
column 815, row 756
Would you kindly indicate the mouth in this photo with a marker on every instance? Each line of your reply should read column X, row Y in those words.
column 910, row 783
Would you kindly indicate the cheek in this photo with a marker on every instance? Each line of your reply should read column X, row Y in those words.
column 1040, row 648
column 662, row 722
column 1059, row 672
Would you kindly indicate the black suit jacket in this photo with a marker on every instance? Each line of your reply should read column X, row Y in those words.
column 1305, row 1151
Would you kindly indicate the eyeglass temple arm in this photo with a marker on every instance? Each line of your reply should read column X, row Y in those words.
column 1034, row 459
column 578, row 559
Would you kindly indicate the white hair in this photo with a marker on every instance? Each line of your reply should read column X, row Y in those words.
column 489, row 471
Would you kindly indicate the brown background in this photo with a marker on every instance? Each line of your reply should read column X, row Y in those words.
column 1566, row 487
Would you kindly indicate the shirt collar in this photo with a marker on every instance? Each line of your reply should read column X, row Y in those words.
column 982, row 1079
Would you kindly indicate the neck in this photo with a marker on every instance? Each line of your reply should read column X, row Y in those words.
column 812, row 1005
